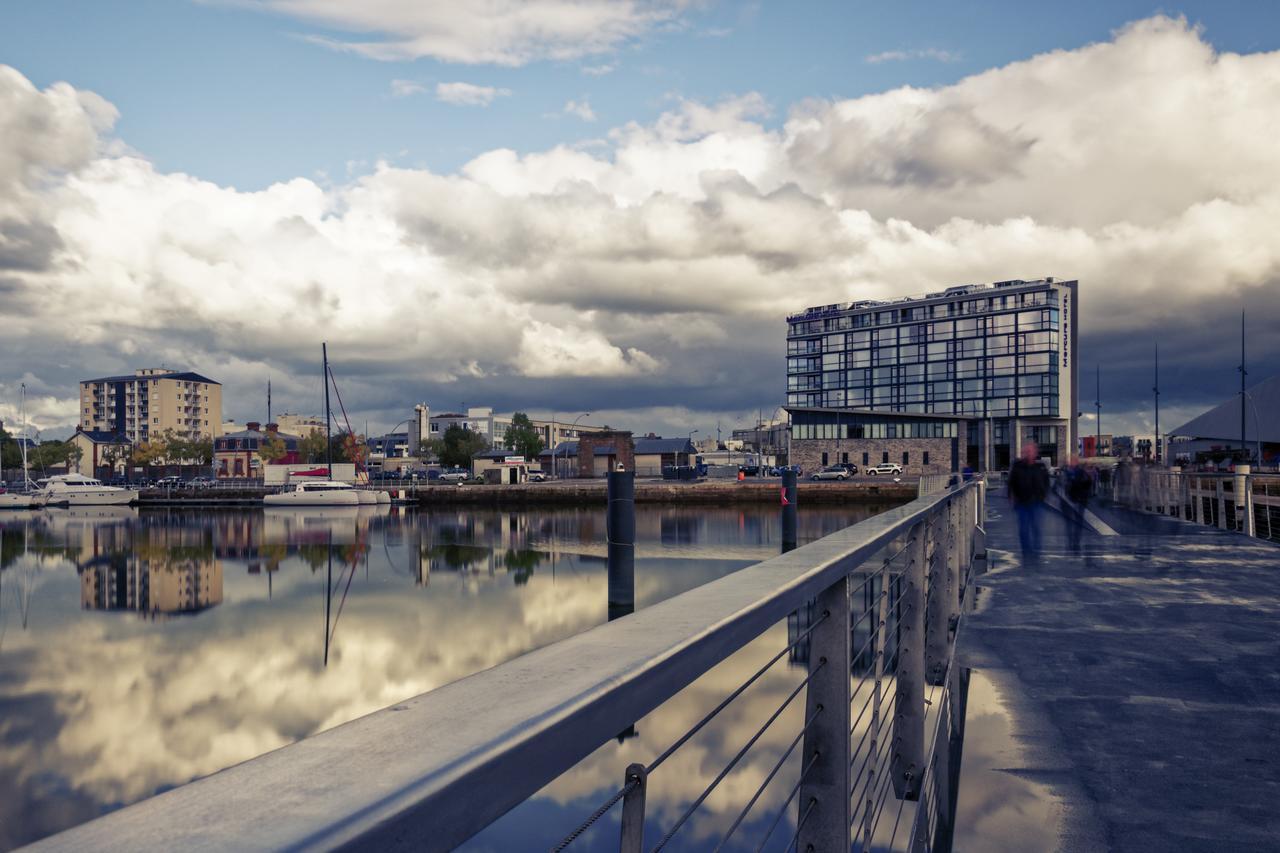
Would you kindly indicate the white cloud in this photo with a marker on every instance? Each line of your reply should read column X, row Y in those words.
column 933, row 53
column 1143, row 165
column 598, row 70
column 469, row 94
column 501, row 32
column 581, row 109
column 405, row 88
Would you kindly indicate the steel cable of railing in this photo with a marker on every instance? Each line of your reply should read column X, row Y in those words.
column 795, row 839
column 861, row 714
column 733, row 762
column 769, row 778
column 868, row 785
column 693, row 731
column 782, row 810
column 944, row 697
column 683, row 739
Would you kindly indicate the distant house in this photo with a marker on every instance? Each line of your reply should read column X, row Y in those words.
column 102, row 452
column 653, row 453
column 236, row 455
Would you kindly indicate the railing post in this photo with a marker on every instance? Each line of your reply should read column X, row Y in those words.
column 936, row 639
column 1197, row 500
column 1244, row 500
column 826, row 741
column 1222, row 503
column 878, row 622
column 907, row 755
column 633, row 810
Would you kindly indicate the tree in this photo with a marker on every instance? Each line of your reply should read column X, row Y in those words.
column 115, row 454
column 312, row 446
column 523, row 438
column 460, row 444
column 153, row 451
column 429, row 449
column 271, row 449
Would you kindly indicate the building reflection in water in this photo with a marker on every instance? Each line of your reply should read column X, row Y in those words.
column 163, row 570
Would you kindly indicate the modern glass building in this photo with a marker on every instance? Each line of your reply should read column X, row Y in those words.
column 1000, row 355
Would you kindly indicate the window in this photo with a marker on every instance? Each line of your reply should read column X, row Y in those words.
column 866, row 459
column 884, row 456
column 844, row 457
column 906, row 457
column 926, row 457
column 824, row 459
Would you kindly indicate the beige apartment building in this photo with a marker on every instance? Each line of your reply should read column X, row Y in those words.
column 151, row 401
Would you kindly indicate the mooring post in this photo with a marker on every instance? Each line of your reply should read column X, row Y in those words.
column 907, row 756
column 824, row 793
column 621, row 532
column 790, row 509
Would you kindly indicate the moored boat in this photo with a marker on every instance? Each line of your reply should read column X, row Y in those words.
column 315, row 493
column 79, row 490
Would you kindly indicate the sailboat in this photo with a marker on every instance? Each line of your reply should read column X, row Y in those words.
column 26, row 498
column 319, row 492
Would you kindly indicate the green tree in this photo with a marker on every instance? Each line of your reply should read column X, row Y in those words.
column 153, row 451
column 523, row 438
column 272, row 449
column 460, row 444
column 312, row 446
column 429, row 449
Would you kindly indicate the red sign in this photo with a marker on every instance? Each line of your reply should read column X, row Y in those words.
column 785, row 502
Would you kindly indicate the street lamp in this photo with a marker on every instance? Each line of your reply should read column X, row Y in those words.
column 571, row 426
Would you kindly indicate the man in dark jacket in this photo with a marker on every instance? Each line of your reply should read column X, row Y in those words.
column 1028, row 485
column 1079, row 485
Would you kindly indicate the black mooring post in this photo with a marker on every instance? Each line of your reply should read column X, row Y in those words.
column 790, row 505
column 621, row 531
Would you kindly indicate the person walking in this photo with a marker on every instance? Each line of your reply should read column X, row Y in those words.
column 1028, row 486
column 1079, row 485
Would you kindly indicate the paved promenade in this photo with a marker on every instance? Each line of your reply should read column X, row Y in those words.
column 1143, row 678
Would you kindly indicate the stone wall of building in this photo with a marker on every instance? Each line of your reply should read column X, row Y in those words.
column 807, row 453
column 614, row 445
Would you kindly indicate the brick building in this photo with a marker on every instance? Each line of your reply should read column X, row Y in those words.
column 601, row 452
column 921, row 444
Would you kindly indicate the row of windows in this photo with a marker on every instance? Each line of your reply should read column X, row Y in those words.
column 884, row 457
column 1041, row 405
column 1022, row 343
column 892, row 316
column 975, row 327
column 963, row 369
column 891, row 429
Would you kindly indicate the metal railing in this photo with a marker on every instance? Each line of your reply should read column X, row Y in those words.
column 1241, row 501
column 872, row 612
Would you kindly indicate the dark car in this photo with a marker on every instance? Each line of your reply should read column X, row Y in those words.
column 848, row 466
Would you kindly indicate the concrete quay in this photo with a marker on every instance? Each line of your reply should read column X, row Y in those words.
column 1142, row 678
column 718, row 492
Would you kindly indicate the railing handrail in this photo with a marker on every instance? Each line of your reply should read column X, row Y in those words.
column 430, row 772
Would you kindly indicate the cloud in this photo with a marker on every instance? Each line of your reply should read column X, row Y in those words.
column 405, row 88
column 653, row 273
column 932, row 53
column 469, row 94
column 499, row 32
column 581, row 109
column 598, row 70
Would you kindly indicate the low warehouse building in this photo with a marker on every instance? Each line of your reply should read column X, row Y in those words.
column 920, row 443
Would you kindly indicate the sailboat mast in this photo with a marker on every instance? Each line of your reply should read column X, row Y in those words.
column 328, row 421
column 26, row 476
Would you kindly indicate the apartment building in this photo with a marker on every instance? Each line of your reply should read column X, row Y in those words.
column 151, row 401
column 1001, row 356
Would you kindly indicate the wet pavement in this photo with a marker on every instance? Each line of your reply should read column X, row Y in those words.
column 1136, row 686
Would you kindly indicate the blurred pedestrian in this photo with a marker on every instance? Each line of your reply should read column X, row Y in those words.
column 967, row 473
column 1079, row 486
column 1028, row 486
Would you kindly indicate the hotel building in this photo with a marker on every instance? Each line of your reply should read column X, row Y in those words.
column 1001, row 356
column 151, row 401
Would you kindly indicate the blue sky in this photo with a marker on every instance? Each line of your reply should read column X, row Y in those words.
column 238, row 96
column 197, row 183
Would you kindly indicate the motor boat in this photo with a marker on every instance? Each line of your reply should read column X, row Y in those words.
column 79, row 490
column 18, row 500
column 316, row 493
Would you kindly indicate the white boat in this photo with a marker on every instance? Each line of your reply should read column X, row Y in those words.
column 79, row 490
column 315, row 493
column 18, row 500
column 366, row 497
column 382, row 497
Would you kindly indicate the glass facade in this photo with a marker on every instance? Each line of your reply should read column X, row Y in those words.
column 992, row 356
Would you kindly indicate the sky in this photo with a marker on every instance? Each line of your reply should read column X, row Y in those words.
column 569, row 206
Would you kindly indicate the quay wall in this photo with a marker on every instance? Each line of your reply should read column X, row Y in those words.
column 707, row 492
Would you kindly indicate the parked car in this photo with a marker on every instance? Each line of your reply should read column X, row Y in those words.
column 472, row 481
column 201, row 483
column 831, row 472
column 847, row 466
column 171, row 482
column 537, row 477
column 885, row 468
column 454, row 475
column 750, row 470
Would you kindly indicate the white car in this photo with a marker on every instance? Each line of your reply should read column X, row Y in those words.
column 883, row 468
column 454, row 477
column 537, row 477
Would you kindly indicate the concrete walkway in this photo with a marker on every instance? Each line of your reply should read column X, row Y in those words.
column 1142, row 677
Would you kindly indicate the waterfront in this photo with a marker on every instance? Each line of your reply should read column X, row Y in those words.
column 140, row 649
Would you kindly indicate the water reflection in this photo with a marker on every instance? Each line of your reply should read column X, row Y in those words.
column 97, row 711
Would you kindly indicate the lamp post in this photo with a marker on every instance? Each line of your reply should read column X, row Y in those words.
column 571, row 426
